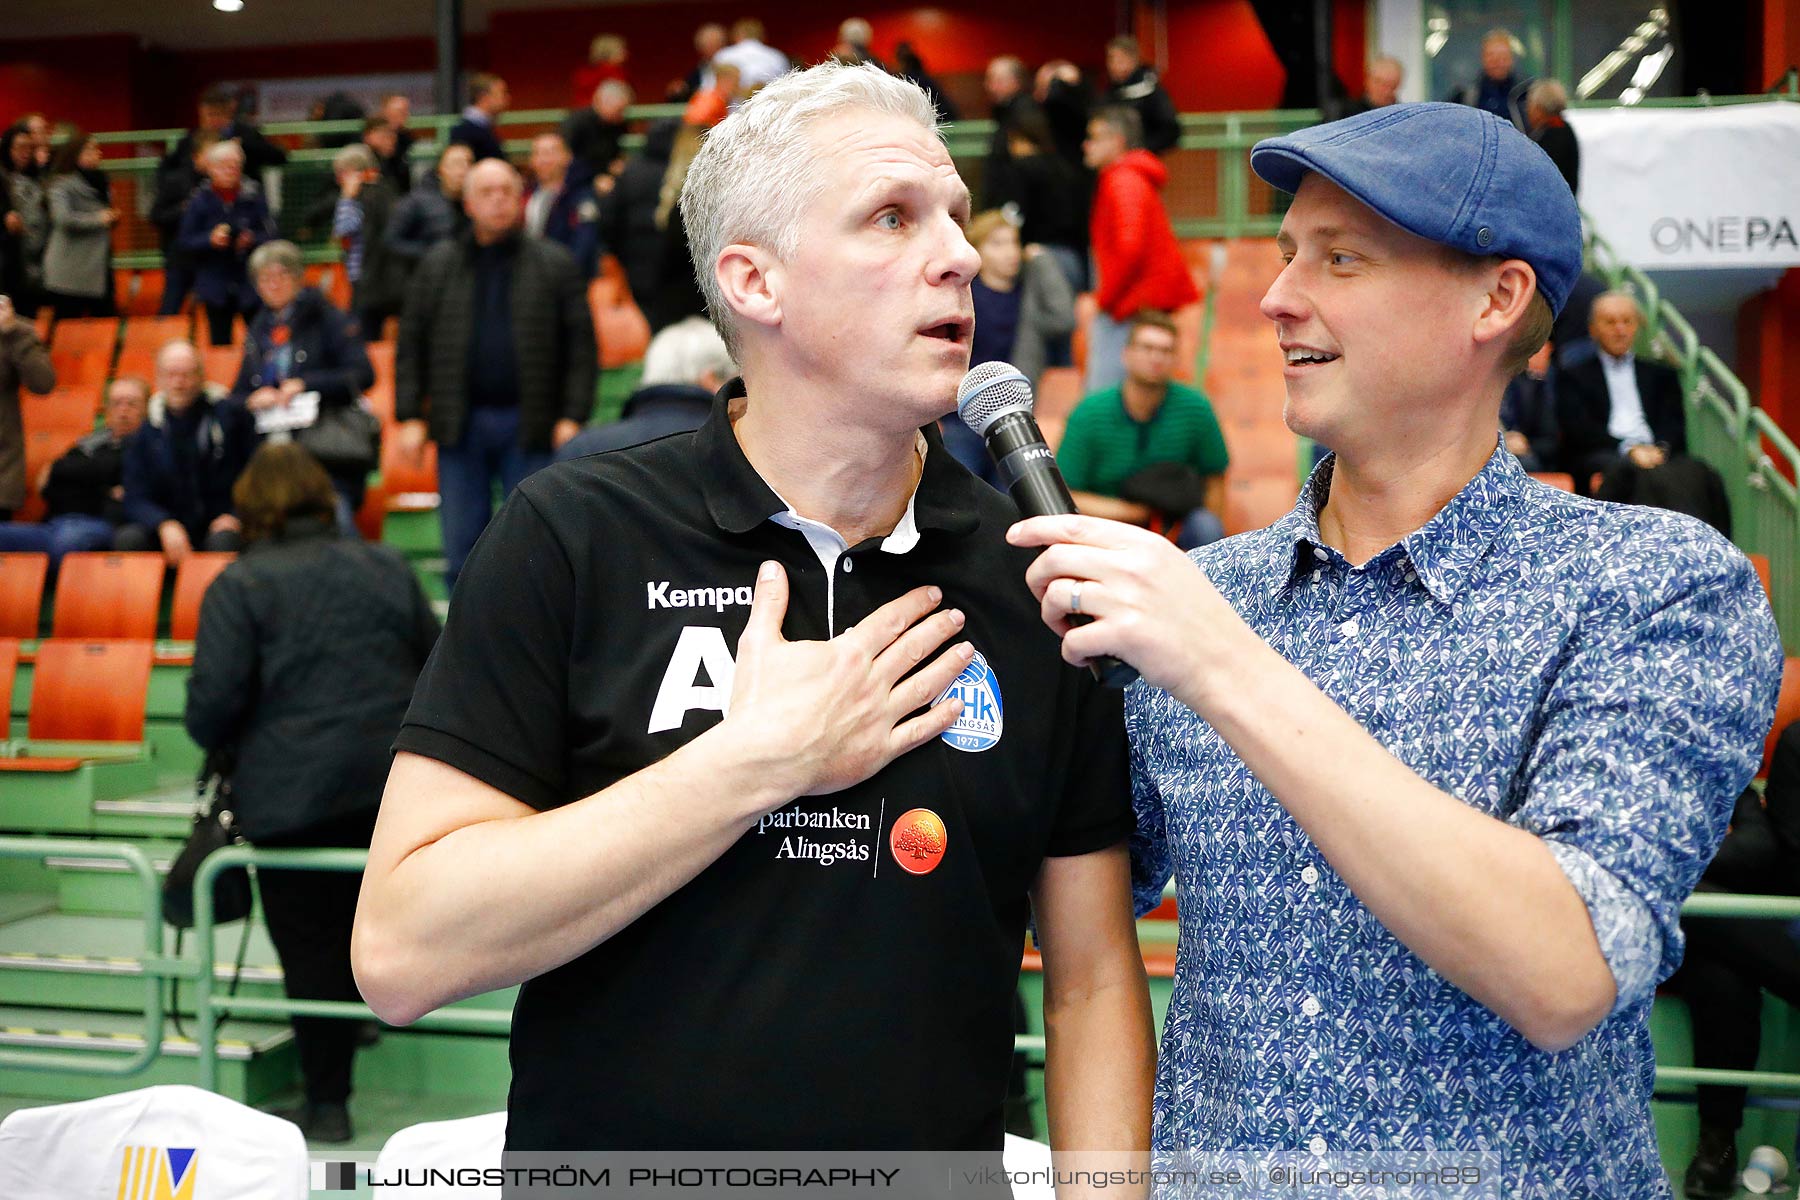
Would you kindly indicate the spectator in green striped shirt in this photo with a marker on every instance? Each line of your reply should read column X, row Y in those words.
column 1150, row 451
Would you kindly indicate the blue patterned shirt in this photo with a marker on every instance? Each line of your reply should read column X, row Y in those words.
column 1602, row 676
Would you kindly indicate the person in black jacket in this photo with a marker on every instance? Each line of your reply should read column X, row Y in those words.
column 300, row 342
column 593, row 133
column 496, row 359
column 1135, row 83
column 307, row 694
column 176, row 181
column 488, row 98
column 627, row 225
column 218, row 113
column 1528, row 415
column 1616, row 405
column 432, row 211
column 84, row 490
column 179, row 468
column 1730, row 961
column 225, row 219
column 1545, row 102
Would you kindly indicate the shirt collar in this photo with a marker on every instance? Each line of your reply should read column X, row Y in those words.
column 478, row 115
column 1443, row 551
column 739, row 499
column 1623, row 362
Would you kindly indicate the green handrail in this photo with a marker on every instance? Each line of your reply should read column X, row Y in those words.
column 156, row 967
column 1682, row 344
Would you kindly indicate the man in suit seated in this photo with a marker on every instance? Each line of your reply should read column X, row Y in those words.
column 1617, row 406
column 1622, row 420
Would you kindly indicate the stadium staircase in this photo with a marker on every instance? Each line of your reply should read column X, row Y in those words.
column 97, row 996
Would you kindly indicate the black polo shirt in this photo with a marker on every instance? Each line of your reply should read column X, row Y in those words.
column 842, row 977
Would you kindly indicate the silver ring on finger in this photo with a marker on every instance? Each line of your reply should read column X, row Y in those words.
column 1075, row 597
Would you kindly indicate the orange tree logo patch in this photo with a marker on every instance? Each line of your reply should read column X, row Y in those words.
column 918, row 841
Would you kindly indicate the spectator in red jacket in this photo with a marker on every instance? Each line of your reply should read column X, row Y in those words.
column 1137, row 261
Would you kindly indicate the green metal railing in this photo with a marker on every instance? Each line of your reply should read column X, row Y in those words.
column 1757, row 461
column 209, row 1006
column 156, row 966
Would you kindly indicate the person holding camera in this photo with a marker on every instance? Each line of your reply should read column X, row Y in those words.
column 226, row 218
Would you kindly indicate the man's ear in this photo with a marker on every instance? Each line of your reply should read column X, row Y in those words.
column 1508, row 296
column 751, row 279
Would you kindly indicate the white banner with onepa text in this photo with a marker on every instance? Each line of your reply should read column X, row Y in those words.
column 1694, row 187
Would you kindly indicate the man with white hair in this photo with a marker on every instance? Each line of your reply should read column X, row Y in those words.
column 774, row 899
column 756, row 61
column 593, row 134
column 1545, row 102
column 685, row 364
column 225, row 219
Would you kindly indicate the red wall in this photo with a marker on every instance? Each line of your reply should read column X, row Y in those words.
column 86, row 80
column 1219, row 58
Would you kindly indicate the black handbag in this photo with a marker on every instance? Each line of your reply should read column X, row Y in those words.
column 215, row 827
column 346, row 439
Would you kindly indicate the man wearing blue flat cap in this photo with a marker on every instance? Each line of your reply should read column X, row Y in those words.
column 1435, row 759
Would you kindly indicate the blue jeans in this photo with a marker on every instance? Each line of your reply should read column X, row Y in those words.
column 488, row 451
column 58, row 536
column 1105, row 354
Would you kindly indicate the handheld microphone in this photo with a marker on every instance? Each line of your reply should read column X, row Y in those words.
column 995, row 400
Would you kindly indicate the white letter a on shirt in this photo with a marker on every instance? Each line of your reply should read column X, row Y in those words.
column 681, row 691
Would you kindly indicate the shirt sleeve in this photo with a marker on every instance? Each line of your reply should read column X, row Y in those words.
column 1152, row 865
column 492, row 700
column 1096, row 807
column 346, row 218
column 1649, row 731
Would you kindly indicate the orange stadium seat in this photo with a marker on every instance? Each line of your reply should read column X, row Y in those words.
column 143, row 297
column 89, row 691
column 146, row 335
column 192, row 578
column 402, row 477
column 63, row 408
column 220, row 364
column 107, row 595
column 1761, row 563
column 22, row 592
column 82, row 349
column 381, row 392
column 371, row 518
column 9, row 670
column 1787, row 709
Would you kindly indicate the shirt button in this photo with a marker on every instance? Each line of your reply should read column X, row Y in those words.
column 1317, row 1145
column 1310, row 1007
column 1309, row 875
column 847, row 566
column 1348, row 628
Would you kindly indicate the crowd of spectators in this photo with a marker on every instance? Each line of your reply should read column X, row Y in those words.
column 483, row 272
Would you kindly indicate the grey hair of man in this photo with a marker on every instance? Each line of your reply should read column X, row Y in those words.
column 1549, row 96
column 219, row 151
column 686, row 352
column 355, row 158
column 758, row 171
column 278, row 253
column 1621, row 295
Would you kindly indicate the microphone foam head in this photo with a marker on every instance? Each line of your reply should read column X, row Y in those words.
column 989, row 392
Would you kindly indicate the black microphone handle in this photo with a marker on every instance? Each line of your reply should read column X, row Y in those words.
column 1027, row 467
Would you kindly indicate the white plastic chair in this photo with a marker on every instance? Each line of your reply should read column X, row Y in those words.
column 150, row 1143
column 446, row 1145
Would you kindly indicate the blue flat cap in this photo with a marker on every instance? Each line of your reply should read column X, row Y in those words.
column 1449, row 173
